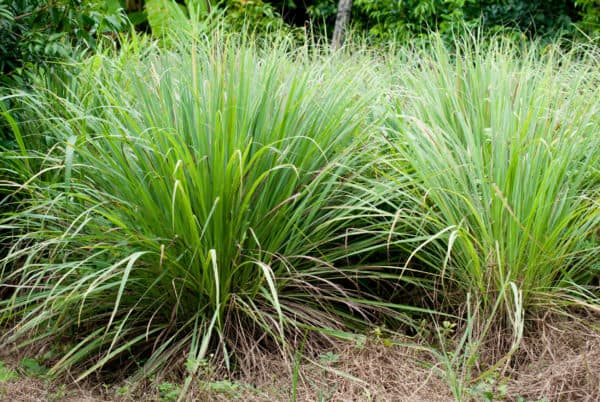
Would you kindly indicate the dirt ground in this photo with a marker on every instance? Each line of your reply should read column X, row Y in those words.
column 558, row 361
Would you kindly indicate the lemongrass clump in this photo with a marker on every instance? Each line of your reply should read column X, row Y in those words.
column 183, row 203
column 502, row 144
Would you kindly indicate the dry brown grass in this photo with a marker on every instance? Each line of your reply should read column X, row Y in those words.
column 371, row 372
column 559, row 360
column 33, row 390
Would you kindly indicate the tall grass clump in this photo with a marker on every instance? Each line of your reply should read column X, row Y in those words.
column 503, row 149
column 182, row 207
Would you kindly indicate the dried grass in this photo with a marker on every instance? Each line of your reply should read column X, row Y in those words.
column 370, row 372
column 558, row 361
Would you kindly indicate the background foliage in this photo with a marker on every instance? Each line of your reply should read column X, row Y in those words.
column 35, row 31
column 384, row 19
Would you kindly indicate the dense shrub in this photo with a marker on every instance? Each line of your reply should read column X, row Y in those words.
column 389, row 19
column 33, row 32
column 504, row 150
column 188, row 203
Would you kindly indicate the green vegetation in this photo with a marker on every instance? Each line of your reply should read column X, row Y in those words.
column 34, row 32
column 7, row 374
column 174, row 204
column 192, row 202
column 386, row 20
column 501, row 148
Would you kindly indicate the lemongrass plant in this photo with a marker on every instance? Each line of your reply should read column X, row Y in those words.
column 184, row 205
column 502, row 145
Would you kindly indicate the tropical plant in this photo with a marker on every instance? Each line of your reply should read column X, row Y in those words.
column 33, row 32
column 163, row 16
column 502, row 145
column 388, row 20
column 186, row 204
column 590, row 15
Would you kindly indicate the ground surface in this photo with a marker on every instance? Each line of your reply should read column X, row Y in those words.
column 558, row 361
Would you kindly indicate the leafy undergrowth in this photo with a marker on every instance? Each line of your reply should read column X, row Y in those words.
column 558, row 360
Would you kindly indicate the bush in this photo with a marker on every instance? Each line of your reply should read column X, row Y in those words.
column 34, row 32
column 186, row 205
column 503, row 149
column 389, row 20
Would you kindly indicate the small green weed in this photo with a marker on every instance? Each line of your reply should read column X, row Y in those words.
column 225, row 388
column 168, row 391
column 32, row 367
column 7, row 374
column 380, row 335
column 488, row 389
column 59, row 394
column 329, row 357
column 123, row 390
